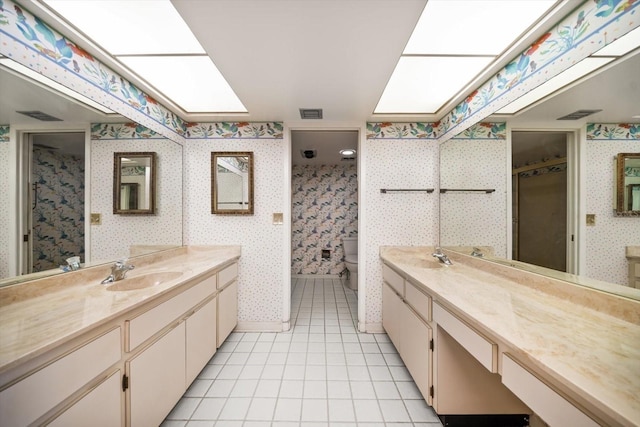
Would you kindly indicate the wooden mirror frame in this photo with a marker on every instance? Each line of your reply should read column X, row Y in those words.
column 215, row 181
column 620, row 208
column 117, row 183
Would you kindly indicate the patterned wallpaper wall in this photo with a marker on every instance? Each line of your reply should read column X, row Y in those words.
column 480, row 219
column 403, row 219
column 262, row 264
column 4, row 202
column 325, row 209
column 112, row 239
column 58, row 211
column 606, row 241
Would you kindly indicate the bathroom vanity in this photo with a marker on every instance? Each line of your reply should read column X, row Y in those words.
column 483, row 338
column 76, row 352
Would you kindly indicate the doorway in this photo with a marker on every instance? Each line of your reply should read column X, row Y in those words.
column 53, row 199
column 540, row 198
column 324, row 210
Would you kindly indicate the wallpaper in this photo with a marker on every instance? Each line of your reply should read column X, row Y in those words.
column 4, row 208
column 262, row 263
column 591, row 26
column 58, row 208
column 606, row 241
column 4, row 133
column 402, row 218
column 619, row 131
column 424, row 130
column 112, row 239
column 325, row 209
column 474, row 219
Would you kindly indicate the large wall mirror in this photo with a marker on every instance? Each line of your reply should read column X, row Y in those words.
column 596, row 236
column 232, row 183
column 628, row 183
column 134, row 183
column 115, row 235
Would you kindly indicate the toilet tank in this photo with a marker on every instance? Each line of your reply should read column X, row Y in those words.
column 350, row 245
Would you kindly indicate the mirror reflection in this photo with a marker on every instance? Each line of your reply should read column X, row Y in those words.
column 134, row 183
column 595, row 240
column 232, row 183
column 628, row 183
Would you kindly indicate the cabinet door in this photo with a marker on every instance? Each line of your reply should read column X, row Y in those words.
column 416, row 352
column 157, row 379
column 391, row 308
column 201, row 339
column 101, row 407
column 227, row 311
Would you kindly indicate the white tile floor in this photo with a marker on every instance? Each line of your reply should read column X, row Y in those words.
column 321, row 373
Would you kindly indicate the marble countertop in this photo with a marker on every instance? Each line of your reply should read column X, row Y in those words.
column 593, row 355
column 39, row 315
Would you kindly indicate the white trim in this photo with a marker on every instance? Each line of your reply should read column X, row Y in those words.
column 362, row 227
column 286, row 232
column 275, row 326
column 373, row 328
column 509, row 195
column 581, row 205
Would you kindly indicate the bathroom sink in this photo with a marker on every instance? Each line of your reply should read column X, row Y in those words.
column 423, row 263
column 144, row 281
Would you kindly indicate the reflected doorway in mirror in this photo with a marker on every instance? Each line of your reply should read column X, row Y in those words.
column 232, row 183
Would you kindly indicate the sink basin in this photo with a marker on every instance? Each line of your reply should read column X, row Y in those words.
column 144, row 281
column 423, row 263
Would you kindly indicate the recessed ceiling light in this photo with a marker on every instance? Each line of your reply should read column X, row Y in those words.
column 348, row 152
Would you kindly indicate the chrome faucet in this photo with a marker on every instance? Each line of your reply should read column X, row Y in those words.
column 118, row 271
column 477, row 252
column 442, row 257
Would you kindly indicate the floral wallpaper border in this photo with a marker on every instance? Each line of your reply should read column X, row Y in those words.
column 4, row 133
column 613, row 131
column 591, row 26
column 217, row 130
column 31, row 42
column 420, row 130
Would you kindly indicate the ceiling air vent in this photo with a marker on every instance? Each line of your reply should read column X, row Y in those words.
column 310, row 113
column 577, row 115
column 39, row 115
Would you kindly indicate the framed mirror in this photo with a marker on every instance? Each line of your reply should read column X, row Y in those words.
column 628, row 184
column 232, row 183
column 134, row 183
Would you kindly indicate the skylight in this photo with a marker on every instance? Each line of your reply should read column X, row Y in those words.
column 138, row 33
column 453, row 42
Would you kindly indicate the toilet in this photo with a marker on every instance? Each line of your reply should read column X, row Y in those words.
column 350, row 246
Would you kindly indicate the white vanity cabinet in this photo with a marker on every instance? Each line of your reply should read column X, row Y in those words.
column 227, row 302
column 408, row 331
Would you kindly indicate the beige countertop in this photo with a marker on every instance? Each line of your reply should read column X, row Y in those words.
column 39, row 315
column 584, row 342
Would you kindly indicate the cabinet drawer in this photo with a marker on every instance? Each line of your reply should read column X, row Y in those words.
column 478, row 346
column 227, row 275
column 143, row 327
column 544, row 401
column 419, row 301
column 393, row 279
column 26, row 401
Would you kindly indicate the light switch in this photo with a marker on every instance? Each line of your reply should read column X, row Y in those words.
column 591, row 219
column 278, row 218
column 96, row 219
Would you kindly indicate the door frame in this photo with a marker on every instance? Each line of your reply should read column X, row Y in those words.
column 20, row 153
column 362, row 292
column 575, row 204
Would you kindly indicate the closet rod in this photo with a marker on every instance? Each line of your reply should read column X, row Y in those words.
column 474, row 190
column 389, row 190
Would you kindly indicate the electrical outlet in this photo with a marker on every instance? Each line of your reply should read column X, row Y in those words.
column 591, row 219
column 96, row 219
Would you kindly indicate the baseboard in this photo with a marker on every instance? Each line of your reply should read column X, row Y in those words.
column 374, row 328
column 275, row 326
column 315, row 276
